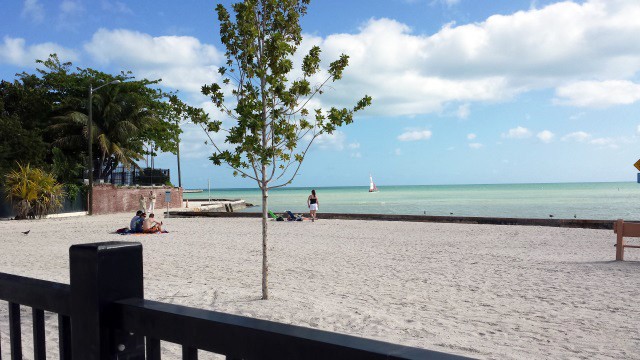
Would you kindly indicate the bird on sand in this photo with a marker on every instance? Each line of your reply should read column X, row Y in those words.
column 26, row 232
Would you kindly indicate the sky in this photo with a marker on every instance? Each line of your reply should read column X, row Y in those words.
column 464, row 91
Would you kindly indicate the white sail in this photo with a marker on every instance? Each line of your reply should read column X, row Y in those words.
column 372, row 186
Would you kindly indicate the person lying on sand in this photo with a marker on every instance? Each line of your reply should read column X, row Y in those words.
column 150, row 225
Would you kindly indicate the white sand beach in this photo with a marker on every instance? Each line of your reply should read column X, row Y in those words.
column 485, row 291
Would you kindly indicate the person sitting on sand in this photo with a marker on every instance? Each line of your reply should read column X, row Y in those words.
column 135, row 220
column 150, row 225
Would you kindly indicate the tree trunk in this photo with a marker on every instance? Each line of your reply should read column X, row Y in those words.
column 265, row 264
column 178, row 154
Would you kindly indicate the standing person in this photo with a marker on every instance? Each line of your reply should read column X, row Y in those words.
column 152, row 202
column 312, row 203
column 142, row 203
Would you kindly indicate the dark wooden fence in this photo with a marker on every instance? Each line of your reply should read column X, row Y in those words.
column 103, row 315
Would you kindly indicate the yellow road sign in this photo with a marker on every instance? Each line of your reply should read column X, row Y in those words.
column 637, row 164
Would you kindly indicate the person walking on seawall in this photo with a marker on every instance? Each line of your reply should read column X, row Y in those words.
column 143, row 203
column 152, row 202
column 312, row 203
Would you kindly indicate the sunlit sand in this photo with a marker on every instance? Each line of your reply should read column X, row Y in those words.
column 486, row 291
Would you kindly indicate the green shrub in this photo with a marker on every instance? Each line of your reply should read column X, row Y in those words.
column 72, row 191
column 33, row 192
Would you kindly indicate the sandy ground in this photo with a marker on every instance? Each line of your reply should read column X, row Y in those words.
column 485, row 291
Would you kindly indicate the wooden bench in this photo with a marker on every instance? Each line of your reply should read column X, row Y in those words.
column 625, row 229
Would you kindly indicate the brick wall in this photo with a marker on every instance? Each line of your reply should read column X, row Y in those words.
column 108, row 199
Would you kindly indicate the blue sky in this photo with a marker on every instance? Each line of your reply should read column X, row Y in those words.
column 464, row 92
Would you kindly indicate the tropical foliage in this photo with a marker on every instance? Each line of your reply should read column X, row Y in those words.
column 273, row 125
column 48, row 110
column 33, row 192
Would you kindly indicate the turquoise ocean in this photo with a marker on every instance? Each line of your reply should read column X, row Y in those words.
column 602, row 201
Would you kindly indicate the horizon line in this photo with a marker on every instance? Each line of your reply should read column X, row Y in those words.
column 382, row 186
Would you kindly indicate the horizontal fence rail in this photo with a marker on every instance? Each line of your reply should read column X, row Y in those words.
column 247, row 338
column 38, row 294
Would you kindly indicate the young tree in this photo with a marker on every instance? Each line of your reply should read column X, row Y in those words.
column 273, row 126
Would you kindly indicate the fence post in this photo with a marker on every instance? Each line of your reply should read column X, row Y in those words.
column 619, row 226
column 100, row 274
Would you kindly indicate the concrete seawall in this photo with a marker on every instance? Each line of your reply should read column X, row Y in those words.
column 569, row 223
column 215, row 205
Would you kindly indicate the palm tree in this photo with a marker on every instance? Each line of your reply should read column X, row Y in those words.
column 118, row 117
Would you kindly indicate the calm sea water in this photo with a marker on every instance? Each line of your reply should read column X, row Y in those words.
column 567, row 200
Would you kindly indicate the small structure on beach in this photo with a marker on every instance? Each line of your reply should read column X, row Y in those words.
column 215, row 205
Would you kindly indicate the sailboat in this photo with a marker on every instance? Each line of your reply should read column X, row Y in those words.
column 372, row 186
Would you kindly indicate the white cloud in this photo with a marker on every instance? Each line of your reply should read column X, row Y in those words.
column 335, row 141
column 598, row 94
column 183, row 62
column 450, row 2
column 192, row 143
column 574, row 47
column 471, row 136
column 356, row 155
column 33, row 10
column 70, row 7
column 415, row 135
column 576, row 116
column 463, row 111
column 397, row 152
column 638, row 130
column 545, row 136
column 493, row 60
column 579, row 136
column 517, row 133
column 476, row 145
column 15, row 52
column 608, row 142
column 116, row 7
column 354, row 145
column 447, row 3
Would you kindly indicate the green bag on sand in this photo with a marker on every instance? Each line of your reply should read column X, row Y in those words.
column 272, row 215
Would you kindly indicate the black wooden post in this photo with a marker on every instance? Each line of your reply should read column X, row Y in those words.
column 100, row 274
